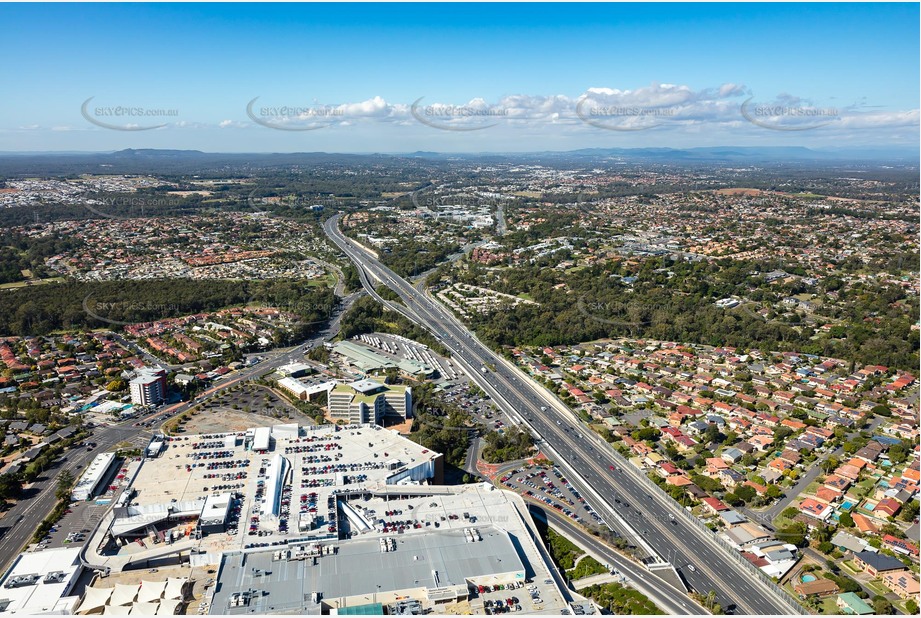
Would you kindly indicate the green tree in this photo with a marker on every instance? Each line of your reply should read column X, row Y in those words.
column 10, row 487
column 65, row 483
column 795, row 534
column 822, row 534
column 830, row 464
column 898, row 453
column 781, row 434
column 882, row 410
column 882, row 606
column 909, row 511
column 745, row 492
column 646, row 433
column 508, row 446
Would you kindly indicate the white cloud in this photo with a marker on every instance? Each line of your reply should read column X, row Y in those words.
column 376, row 107
column 676, row 107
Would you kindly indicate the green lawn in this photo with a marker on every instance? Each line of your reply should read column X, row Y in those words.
column 850, row 566
column 328, row 281
column 878, row 588
column 829, row 605
column 811, row 488
column 23, row 284
column 586, row 567
column 811, row 196
column 864, row 487
column 781, row 522
column 900, row 605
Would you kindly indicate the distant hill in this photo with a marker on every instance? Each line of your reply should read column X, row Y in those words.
column 748, row 153
column 166, row 161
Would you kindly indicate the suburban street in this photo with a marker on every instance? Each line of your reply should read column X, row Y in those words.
column 593, row 465
column 767, row 516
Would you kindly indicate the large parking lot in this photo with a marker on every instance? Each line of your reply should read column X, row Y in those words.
column 302, row 469
column 477, row 404
column 81, row 518
column 550, row 486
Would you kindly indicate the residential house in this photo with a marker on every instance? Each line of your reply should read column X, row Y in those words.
column 730, row 478
column 667, row 469
column 826, row 494
column 779, row 464
column 876, row 563
column 819, row 587
column 836, row 482
column 865, row 524
column 745, row 534
column 888, row 506
column 850, row 543
column 870, row 452
column 759, row 489
column 851, row 473
column 850, row 603
column 732, row 517
column 731, row 455
column 679, row 480
column 714, row 505
column 900, row 546
column 903, row 583
column 814, row 508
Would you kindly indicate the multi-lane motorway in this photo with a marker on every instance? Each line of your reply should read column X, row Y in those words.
column 593, row 465
column 662, row 593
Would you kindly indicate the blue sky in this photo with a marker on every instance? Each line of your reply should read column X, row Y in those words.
column 494, row 77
